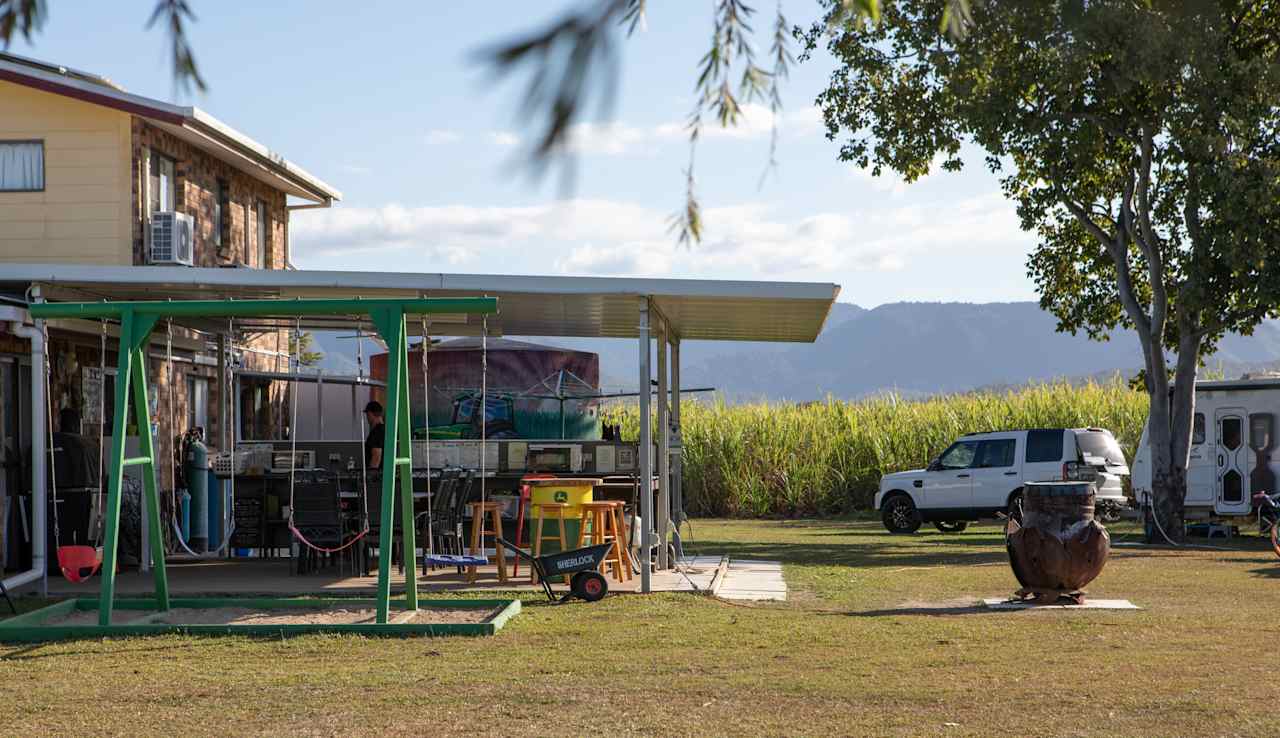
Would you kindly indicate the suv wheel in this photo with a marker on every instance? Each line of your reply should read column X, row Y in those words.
column 950, row 526
column 900, row 515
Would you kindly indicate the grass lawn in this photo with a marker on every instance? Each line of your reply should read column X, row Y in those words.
column 876, row 640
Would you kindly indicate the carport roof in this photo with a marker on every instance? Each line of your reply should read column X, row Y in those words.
column 528, row 305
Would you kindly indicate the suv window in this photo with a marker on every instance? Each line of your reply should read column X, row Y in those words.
column 1044, row 445
column 996, row 453
column 959, row 456
column 1101, row 444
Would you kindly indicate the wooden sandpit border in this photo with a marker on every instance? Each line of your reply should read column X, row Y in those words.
column 31, row 626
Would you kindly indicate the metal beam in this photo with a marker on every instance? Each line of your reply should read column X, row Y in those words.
column 264, row 308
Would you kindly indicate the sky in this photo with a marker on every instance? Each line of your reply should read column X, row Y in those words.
column 387, row 101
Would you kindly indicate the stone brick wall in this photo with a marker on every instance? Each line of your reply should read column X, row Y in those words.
column 196, row 175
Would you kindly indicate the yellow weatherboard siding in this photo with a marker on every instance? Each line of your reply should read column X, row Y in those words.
column 83, row 214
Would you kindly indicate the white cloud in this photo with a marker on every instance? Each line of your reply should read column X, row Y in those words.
column 607, row 237
column 616, row 139
column 503, row 138
column 891, row 182
column 439, row 137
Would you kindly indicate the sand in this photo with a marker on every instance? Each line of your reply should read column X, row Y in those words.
column 274, row 616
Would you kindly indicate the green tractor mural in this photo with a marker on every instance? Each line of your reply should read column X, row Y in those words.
column 534, row 391
column 499, row 418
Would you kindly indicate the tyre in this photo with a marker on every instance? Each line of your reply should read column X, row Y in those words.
column 950, row 526
column 1015, row 506
column 589, row 585
column 1108, row 512
column 900, row 515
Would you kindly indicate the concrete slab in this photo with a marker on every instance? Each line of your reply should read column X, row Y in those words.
column 1089, row 604
column 274, row 577
column 752, row 579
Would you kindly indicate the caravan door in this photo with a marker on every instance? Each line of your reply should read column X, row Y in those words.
column 1232, row 457
column 1202, row 470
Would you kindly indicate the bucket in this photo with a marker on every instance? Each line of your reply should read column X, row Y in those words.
column 572, row 492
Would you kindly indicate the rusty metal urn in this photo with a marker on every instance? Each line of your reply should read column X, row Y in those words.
column 1059, row 547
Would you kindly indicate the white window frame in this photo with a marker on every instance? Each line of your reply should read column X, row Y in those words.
column 44, row 165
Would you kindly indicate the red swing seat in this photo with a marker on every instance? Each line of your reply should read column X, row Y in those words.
column 75, row 560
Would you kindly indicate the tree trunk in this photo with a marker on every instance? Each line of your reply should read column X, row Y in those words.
column 1168, row 491
column 1169, row 436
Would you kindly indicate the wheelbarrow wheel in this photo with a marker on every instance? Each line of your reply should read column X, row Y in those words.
column 589, row 585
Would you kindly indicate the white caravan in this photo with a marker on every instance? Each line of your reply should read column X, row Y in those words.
column 1231, row 448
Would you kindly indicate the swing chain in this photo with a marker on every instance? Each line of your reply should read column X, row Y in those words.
column 102, row 430
column 48, row 403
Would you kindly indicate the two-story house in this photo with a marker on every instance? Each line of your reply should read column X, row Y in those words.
column 87, row 171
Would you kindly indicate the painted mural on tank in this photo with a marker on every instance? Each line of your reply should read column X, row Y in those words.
column 533, row 391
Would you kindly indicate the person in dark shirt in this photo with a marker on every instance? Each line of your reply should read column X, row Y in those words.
column 374, row 442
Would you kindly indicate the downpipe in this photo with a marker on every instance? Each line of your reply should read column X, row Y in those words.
column 17, row 319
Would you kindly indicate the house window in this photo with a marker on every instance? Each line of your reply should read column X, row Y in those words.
column 21, row 166
column 161, row 190
column 245, row 220
column 198, row 403
column 262, row 235
column 220, row 211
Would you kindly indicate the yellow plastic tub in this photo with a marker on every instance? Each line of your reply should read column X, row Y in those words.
column 573, row 492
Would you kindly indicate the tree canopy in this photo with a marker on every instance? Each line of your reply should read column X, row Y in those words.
column 1139, row 139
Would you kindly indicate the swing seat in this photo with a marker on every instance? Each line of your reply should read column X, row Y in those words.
column 75, row 560
column 454, row 560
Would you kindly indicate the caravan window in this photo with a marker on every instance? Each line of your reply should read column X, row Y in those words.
column 1260, row 428
column 1197, row 430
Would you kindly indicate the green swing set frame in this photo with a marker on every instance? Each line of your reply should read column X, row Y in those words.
column 137, row 321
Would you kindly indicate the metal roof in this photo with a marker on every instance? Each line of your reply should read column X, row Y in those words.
column 188, row 123
column 527, row 305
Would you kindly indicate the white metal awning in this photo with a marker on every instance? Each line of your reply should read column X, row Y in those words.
column 528, row 305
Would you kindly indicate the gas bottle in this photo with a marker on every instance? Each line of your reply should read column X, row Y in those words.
column 195, row 469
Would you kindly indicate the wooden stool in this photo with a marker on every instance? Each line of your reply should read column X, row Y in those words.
column 538, row 534
column 620, row 525
column 481, row 528
column 603, row 529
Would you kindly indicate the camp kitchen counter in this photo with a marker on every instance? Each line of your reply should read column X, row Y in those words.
column 505, row 461
column 263, row 475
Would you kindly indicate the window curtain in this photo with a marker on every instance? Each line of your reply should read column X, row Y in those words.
column 21, row 165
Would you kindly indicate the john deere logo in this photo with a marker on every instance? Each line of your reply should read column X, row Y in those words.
column 562, row 496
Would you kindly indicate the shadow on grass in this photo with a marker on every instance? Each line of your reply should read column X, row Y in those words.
column 869, row 554
column 927, row 611
column 32, row 652
column 1267, row 572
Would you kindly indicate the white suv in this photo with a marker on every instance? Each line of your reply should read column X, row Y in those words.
column 982, row 475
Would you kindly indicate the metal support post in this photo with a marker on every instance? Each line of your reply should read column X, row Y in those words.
column 130, row 375
column 390, row 325
column 664, row 450
column 646, row 456
column 677, row 451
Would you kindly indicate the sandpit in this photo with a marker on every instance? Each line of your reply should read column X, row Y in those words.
column 274, row 616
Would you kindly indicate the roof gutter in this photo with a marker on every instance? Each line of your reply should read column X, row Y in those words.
column 209, row 127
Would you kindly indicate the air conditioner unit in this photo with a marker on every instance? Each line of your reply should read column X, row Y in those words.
column 172, row 238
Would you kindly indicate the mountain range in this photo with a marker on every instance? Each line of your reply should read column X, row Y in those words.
column 913, row 348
